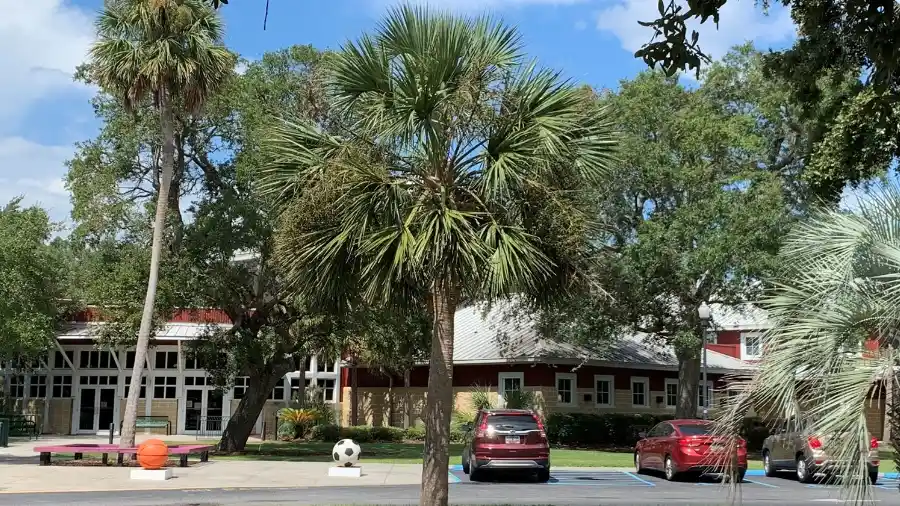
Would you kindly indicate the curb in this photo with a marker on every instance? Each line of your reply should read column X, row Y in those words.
column 760, row 472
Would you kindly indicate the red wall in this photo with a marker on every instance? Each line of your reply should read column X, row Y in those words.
column 93, row 314
column 728, row 343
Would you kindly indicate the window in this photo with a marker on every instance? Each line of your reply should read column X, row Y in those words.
column 37, row 386
column 326, row 365
column 295, row 388
column 327, row 386
column 166, row 360
column 96, row 359
column 603, row 390
column 164, row 387
column 671, row 393
column 62, row 386
column 640, row 392
column 192, row 363
column 509, row 382
column 565, row 388
column 59, row 361
column 751, row 345
column 129, row 359
column 277, row 393
column 17, row 386
column 703, row 394
column 143, row 392
column 661, row 430
column 196, row 381
column 240, row 386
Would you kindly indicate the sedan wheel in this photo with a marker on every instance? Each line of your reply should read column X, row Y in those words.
column 768, row 467
column 804, row 475
column 671, row 474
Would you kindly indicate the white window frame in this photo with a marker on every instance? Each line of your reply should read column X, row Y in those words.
column 744, row 354
column 646, row 382
column 709, row 389
column 670, row 381
column 612, row 390
column 501, row 401
column 573, row 381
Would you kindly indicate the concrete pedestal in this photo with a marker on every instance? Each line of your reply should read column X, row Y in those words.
column 345, row 472
column 151, row 475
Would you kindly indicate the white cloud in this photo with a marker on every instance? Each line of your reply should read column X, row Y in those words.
column 43, row 41
column 478, row 5
column 35, row 171
column 739, row 22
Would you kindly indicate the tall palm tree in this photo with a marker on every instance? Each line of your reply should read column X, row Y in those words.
column 839, row 293
column 169, row 51
column 455, row 170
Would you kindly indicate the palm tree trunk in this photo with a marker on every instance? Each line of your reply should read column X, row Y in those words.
column 354, row 394
column 159, row 225
column 439, row 403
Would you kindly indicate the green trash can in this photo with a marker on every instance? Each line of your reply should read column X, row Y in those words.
column 4, row 433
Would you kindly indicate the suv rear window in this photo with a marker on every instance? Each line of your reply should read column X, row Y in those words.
column 696, row 429
column 512, row 422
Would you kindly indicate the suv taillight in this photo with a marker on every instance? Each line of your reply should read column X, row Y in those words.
column 540, row 425
column 482, row 429
column 873, row 444
column 742, row 443
column 814, row 442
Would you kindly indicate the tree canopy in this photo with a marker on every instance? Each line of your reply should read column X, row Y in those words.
column 32, row 272
column 694, row 213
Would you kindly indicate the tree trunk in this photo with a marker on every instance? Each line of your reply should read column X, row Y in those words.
column 140, row 355
column 354, row 394
column 301, row 387
column 688, row 383
column 439, row 403
column 406, row 400
column 391, row 399
column 241, row 423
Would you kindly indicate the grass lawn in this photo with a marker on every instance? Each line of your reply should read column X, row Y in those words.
column 411, row 453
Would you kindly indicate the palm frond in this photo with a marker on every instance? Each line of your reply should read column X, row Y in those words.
column 838, row 292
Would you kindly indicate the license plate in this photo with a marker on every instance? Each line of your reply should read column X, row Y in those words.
column 510, row 440
column 716, row 448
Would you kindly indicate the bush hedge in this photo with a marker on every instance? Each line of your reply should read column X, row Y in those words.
column 608, row 430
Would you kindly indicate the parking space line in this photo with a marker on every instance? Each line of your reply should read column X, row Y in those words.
column 638, row 478
column 453, row 478
column 761, row 483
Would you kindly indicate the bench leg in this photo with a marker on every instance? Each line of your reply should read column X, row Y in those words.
column 183, row 460
column 105, row 459
column 45, row 458
column 204, row 457
column 119, row 459
column 78, row 456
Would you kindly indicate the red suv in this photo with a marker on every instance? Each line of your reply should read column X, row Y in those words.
column 508, row 440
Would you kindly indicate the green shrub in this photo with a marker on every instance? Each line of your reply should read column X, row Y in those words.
column 287, row 431
column 358, row 433
column 606, row 430
column 387, row 434
column 520, row 399
column 755, row 432
column 328, row 433
column 415, row 433
column 481, row 398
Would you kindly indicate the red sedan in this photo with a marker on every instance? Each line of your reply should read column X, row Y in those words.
column 679, row 447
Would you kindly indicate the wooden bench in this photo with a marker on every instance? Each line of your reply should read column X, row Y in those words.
column 97, row 449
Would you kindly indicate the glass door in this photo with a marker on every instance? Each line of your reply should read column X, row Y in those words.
column 87, row 410
column 193, row 409
column 106, row 410
column 213, row 410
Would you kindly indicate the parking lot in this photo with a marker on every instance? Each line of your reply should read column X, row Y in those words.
column 617, row 485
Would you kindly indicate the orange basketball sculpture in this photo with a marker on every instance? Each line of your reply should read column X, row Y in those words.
column 152, row 454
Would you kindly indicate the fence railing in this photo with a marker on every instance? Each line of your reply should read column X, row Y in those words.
column 211, row 426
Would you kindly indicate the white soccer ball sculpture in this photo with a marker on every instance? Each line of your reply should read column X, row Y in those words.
column 346, row 452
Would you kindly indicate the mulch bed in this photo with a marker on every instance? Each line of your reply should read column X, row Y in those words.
column 98, row 462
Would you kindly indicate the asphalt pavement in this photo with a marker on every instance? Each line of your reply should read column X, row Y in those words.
column 565, row 487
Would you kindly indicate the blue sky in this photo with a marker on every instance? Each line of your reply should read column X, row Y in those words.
column 43, row 113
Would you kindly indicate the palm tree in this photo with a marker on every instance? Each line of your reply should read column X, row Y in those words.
column 839, row 293
column 455, row 170
column 169, row 51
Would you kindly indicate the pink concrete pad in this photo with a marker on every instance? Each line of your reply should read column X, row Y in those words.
column 112, row 448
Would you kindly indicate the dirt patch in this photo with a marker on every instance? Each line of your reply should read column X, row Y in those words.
column 96, row 462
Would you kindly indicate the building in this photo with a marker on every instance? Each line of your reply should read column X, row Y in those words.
column 79, row 388
column 633, row 376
